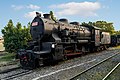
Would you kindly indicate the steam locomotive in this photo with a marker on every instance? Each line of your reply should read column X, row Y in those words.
column 57, row 40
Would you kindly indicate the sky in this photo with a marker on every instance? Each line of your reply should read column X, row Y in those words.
column 23, row 11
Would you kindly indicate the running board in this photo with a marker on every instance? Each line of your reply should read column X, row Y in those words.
column 71, row 54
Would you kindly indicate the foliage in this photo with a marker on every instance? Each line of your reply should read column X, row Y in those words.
column 15, row 37
column 105, row 26
column 52, row 16
column 7, row 57
column 117, row 32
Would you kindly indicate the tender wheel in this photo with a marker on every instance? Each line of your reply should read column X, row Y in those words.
column 105, row 47
column 98, row 49
column 65, row 57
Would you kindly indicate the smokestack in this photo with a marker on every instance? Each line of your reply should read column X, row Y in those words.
column 38, row 14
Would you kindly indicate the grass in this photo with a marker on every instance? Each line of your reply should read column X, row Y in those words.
column 7, row 57
column 117, row 47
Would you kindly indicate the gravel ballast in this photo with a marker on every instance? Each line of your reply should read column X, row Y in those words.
column 66, row 69
column 99, row 71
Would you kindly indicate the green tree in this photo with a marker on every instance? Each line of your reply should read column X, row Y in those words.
column 117, row 32
column 52, row 16
column 15, row 37
column 105, row 26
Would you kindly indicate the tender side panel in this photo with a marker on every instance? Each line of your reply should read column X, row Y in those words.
column 105, row 38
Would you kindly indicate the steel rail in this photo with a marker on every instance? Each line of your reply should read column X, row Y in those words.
column 9, row 70
column 93, row 66
column 111, row 71
column 16, row 75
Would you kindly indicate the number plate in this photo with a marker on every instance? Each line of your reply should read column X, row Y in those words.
column 35, row 24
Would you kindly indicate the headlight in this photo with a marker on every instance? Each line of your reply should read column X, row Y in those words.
column 53, row 45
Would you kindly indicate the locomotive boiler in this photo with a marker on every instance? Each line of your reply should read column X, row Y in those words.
column 55, row 40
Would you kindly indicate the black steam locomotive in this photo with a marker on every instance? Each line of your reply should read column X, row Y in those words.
column 56, row 40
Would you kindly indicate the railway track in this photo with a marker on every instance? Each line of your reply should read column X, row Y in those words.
column 107, row 76
column 14, row 73
column 85, row 72
column 69, row 72
column 58, row 71
column 9, row 70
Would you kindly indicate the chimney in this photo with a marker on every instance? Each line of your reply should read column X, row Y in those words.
column 38, row 14
column 47, row 16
